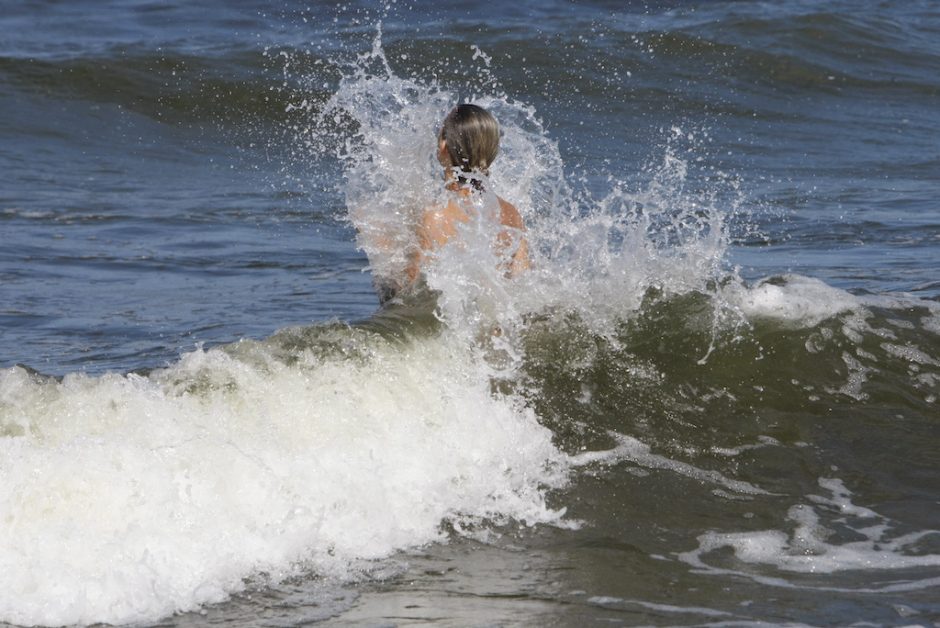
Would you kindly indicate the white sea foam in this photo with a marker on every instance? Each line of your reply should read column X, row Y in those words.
column 793, row 299
column 811, row 548
column 638, row 452
column 616, row 602
column 763, row 441
column 931, row 322
column 128, row 498
column 910, row 354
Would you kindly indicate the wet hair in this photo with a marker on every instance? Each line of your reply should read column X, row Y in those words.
column 471, row 134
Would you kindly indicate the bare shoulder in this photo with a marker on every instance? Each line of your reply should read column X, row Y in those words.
column 509, row 215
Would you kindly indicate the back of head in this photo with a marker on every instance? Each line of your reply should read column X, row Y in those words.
column 471, row 134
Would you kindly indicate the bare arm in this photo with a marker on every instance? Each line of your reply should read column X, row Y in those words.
column 512, row 219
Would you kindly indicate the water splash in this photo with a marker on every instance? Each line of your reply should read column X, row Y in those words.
column 598, row 254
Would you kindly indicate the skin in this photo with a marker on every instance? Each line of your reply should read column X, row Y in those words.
column 440, row 223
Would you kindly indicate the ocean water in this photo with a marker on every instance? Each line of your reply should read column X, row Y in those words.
column 712, row 401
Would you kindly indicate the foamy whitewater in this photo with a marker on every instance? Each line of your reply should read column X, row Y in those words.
column 128, row 498
column 327, row 451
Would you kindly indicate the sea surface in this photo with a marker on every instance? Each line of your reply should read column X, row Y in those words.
column 714, row 400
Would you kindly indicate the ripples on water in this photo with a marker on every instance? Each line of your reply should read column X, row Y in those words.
column 713, row 401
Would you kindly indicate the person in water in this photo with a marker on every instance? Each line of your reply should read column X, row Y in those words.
column 467, row 144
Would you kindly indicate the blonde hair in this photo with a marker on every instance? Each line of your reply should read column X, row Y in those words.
column 471, row 136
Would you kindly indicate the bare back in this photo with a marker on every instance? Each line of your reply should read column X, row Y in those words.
column 439, row 226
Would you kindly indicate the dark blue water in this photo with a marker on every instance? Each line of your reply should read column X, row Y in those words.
column 171, row 184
